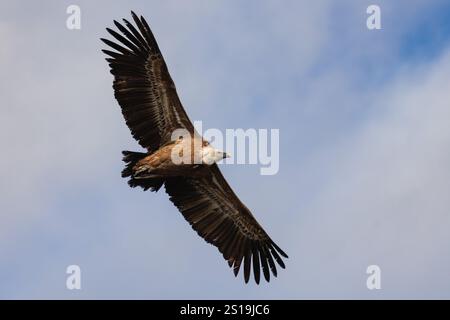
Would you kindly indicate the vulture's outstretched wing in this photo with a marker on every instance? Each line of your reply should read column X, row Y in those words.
column 218, row 216
column 143, row 86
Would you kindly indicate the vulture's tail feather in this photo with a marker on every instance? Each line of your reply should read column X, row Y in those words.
column 131, row 158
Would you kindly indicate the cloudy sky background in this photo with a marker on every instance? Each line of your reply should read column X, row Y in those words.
column 364, row 148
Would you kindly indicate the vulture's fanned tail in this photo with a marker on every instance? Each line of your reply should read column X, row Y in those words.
column 131, row 158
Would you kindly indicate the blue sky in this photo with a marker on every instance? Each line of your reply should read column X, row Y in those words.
column 364, row 148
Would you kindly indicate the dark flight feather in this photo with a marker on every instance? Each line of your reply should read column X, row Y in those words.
column 238, row 236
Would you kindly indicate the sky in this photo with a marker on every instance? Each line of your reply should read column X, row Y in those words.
column 364, row 173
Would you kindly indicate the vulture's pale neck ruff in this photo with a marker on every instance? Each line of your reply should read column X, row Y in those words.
column 211, row 155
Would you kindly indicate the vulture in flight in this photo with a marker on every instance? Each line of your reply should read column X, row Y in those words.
column 153, row 111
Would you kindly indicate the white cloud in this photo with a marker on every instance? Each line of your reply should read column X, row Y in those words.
column 386, row 201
